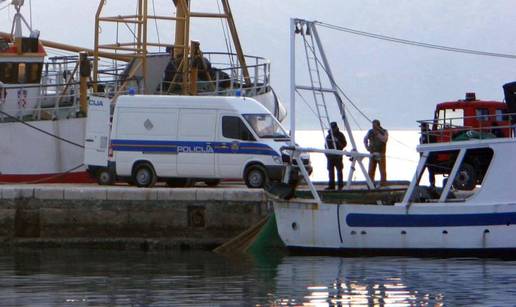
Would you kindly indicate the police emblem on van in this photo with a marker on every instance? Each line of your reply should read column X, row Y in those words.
column 148, row 124
column 235, row 146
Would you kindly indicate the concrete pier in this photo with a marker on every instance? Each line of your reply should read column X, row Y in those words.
column 126, row 217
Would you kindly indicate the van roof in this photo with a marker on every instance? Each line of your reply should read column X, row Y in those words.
column 240, row 105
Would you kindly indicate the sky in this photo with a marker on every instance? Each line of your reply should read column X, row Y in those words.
column 397, row 84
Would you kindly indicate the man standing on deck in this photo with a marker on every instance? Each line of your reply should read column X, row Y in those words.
column 335, row 161
column 376, row 143
column 426, row 138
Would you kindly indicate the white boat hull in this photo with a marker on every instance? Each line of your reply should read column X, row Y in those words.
column 29, row 155
column 394, row 229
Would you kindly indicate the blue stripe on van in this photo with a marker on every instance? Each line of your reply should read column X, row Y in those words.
column 429, row 220
column 193, row 146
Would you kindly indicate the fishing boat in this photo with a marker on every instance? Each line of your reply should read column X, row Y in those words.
column 423, row 220
column 44, row 98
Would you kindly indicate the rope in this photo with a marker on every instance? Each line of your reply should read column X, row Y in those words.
column 4, row 7
column 339, row 89
column 41, row 130
column 306, row 103
column 226, row 39
column 49, row 177
column 415, row 43
column 156, row 24
column 30, row 13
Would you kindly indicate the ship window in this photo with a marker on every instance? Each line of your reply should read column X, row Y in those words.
column 451, row 118
column 234, row 128
column 33, row 72
column 469, row 177
column 501, row 115
column 9, row 73
column 482, row 114
column 21, row 72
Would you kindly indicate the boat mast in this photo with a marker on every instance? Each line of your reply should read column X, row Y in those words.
column 316, row 61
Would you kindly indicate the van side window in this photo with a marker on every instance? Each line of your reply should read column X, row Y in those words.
column 234, row 128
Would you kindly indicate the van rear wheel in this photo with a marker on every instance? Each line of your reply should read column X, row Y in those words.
column 144, row 175
column 105, row 176
column 256, row 177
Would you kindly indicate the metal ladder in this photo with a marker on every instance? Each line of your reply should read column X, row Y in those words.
column 314, row 73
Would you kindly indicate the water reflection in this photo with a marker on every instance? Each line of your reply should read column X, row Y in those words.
column 327, row 281
column 121, row 278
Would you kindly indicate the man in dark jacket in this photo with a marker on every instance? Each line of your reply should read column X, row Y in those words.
column 335, row 161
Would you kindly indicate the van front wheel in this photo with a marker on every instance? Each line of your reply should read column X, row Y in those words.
column 144, row 175
column 256, row 177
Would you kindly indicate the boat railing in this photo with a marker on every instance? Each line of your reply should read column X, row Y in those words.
column 450, row 129
column 227, row 77
column 59, row 87
column 296, row 160
column 38, row 113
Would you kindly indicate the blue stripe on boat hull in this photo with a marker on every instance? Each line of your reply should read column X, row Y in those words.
column 430, row 220
column 505, row 253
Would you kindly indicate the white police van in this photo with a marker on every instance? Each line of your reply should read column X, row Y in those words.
column 184, row 139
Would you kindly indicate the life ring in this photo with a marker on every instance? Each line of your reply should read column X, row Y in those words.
column 3, row 94
column 22, row 98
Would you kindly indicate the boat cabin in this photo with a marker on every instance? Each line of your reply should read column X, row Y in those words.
column 454, row 118
column 21, row 62
column 462, row 120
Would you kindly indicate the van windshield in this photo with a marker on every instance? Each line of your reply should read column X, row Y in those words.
column 266, row 126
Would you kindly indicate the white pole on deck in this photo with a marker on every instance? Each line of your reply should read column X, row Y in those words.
column 292, row 110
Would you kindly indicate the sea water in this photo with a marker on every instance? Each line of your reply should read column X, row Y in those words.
column 56, row 277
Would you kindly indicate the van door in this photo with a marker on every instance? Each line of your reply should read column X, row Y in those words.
column 148, row 134
column 230, row 157
column 195, row 148
column 96, row 148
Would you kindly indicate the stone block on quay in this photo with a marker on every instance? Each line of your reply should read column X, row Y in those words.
column 210, row 194
column 90, row 193
column 16, row 192
column 130, row 193
column 163, row 194
column 49, row 193
column 247, row 195
column 182, row 194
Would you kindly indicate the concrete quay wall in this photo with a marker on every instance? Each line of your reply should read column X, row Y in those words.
column 126, row 217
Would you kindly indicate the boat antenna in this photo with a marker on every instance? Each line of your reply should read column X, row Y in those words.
column 16, row 30
column 30, row 13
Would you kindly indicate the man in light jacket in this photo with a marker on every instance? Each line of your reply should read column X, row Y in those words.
column 376, row 143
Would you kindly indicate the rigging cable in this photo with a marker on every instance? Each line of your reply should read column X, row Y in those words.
column 415, row 43
column 156, row 24
column 225, row 31
column 30, row 13
column 333, row 82
column 40, row 130
column 339, row 89
column 5, row 6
